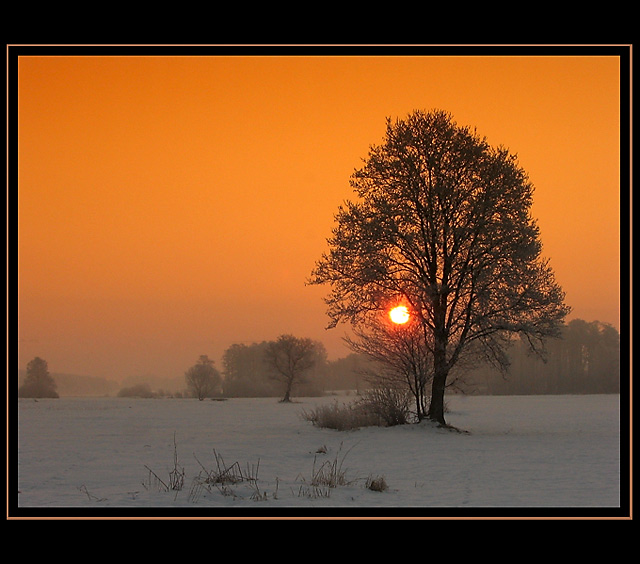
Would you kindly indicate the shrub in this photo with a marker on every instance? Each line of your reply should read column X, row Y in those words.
column 339, row 417
column 388, row 405
column 378, row 407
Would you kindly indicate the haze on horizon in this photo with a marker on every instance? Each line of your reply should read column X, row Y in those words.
column 169, row 207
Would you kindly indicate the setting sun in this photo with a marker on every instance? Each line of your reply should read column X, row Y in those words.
column 399, row 315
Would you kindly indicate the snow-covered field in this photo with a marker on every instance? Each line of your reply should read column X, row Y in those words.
column 111, row 456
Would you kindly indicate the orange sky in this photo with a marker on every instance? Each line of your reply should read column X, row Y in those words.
column 169, row 207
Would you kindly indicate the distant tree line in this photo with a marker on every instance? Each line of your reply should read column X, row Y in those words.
column 142, row 390
column 274, row 368
column 252, row 370
column 584, row 360
column 78, row 385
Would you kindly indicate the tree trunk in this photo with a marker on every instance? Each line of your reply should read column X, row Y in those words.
column 287, row 393
column 441, row 371
column 436, row 408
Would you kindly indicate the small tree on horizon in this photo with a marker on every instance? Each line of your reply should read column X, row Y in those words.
column 38, row 382
column 290, row 357
column 203, row 379
column 443, row 223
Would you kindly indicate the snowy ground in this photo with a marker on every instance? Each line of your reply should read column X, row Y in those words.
column 103, row 456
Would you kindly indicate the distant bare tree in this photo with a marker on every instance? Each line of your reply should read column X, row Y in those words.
column 290, row 357
column 203, row 380
column 38, row 382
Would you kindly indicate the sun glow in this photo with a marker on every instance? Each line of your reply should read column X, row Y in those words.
column 399, row 315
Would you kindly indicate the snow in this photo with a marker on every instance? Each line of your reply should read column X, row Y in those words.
column 100, row 455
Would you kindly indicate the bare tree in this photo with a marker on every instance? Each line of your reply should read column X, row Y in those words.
column 290, row 357
column 443, row 222
column 203, row 380
column 402, row 359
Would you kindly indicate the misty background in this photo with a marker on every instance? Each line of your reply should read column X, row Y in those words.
column 585, row 360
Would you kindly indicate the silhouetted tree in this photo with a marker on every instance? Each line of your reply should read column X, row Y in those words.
column 38, row 382
column 443, row 223
column 203, row 379
column 290, row 357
